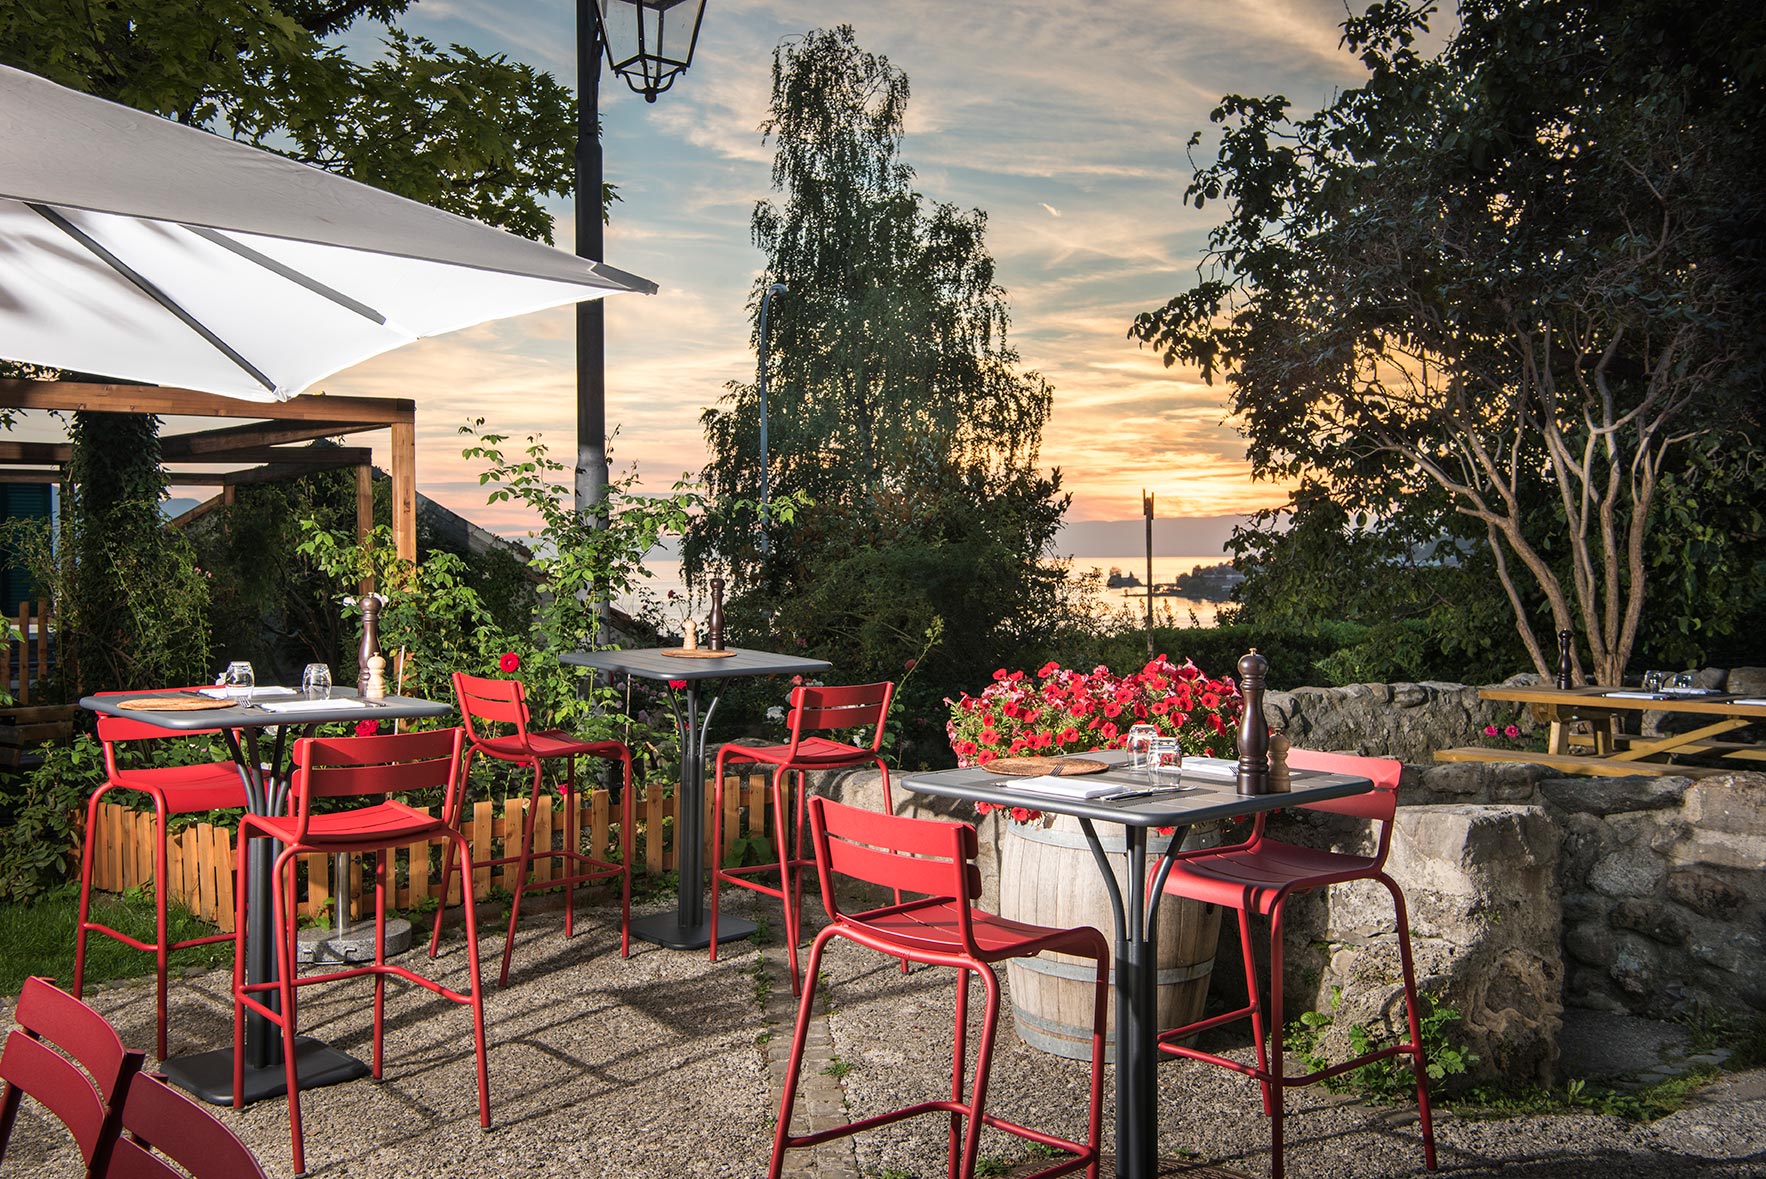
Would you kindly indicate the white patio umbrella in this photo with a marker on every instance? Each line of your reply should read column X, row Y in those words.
column 138, row 248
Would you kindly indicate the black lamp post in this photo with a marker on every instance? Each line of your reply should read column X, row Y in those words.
column 649, row 43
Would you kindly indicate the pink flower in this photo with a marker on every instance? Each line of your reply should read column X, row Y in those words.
column 367, row 728
column 910, row 665
column 509, row 662
column 1490, row 730
column 1512, row 732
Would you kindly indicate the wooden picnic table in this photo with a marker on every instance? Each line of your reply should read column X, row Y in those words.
column 1589, row 733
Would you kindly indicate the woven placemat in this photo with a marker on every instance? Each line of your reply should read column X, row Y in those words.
column 697, row 653
column 172, row 704
column 1057, row 767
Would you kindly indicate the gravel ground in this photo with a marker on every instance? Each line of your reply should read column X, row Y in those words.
column 666, row 1064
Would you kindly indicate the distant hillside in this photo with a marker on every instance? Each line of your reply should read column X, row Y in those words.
column 1184, row 536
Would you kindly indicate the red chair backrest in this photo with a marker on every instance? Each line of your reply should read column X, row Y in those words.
column 855, row 706
column 925, row 856
column 1378, row 805
column 484, row 701
column 113, row 730
column 345, row 767
column 158, row 1117
column 80, row 1087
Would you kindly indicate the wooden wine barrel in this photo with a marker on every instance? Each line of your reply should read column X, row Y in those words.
column 1048, row 877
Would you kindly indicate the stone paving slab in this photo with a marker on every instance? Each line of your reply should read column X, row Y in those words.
column 662, row 1065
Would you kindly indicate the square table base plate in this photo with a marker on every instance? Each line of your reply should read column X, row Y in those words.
column 209, row 1075
column 665, row 929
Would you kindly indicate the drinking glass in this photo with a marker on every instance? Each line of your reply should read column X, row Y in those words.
column 1654, row 680
column 238, row 678
column 315, row 681
column 1165, row 761
column 1139, row 738
column 1682, row 679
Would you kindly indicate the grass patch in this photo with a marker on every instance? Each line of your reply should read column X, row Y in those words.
column 838, row 1068
column 39, row 938
column 1640, row 1105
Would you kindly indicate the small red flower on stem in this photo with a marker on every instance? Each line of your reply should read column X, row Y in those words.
column 367, row 728
column 510, row 662
column 678, row 685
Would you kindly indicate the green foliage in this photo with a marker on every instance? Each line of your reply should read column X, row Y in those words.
column 39, row 938
column 839, row 1068
column 39, row 842
column 1389, row 1079
column 1579, row 1096
column 473, row 134
column 895, row 405
column 1298, row 653
column 1515, row 284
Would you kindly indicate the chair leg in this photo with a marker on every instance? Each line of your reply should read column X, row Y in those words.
column 889, row 809
column 161, row 954
column 10, row 1096
column 983, row 1065
column 781, row 829
column 527, row 826
column 1413, row 1013
column 958, row 1059
column 379, row 960
column 484, row 1081
column 1278, row 1097
column 794, row 1065
column 240, row 872
column 1255, row 1002
column 570, row 842
column 717, row 844
column 1099, row 1021
column 451, row 810
column 80, row 928
column 628, row 815
column 282, row 910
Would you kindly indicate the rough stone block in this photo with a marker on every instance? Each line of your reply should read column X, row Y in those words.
column 1627, row 872
column 1612, row 796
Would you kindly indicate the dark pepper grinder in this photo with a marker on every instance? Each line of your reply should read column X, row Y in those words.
column 716, row 639
column 1253, row 732
column 370, row 640
column 1566, row 660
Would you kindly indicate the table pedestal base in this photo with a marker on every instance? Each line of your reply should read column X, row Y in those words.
column 209, row 1075
column 666, row 929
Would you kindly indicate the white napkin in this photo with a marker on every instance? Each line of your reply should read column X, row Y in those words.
column 247, row 693
column 1056, row 787
column 1211, row 767
column 1633, row 695
column 314, row 705
column 1755, row 701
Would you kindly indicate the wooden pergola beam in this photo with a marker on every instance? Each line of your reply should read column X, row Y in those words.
column 227, row 439
column 321, row 456
column 69, row 396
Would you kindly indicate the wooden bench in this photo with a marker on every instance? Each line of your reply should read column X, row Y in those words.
column 1603, row 767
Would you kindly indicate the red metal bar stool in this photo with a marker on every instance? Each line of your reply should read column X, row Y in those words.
column 174, row 790
column 1259, row 875
column 350, row 768
column 485, row 703
column 936, row 860
column 812, row 710
column 82, row 1084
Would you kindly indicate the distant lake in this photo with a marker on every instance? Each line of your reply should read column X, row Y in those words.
column 666, row 576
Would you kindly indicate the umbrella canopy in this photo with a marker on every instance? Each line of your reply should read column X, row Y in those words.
column 138, row 248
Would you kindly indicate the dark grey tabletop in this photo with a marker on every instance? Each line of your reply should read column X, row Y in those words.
column 651, row 664
column 1206, row 798
column 254, row 715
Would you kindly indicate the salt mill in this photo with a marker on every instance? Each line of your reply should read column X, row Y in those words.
column 370, row 640
column 715, row 641
column 1253, row 732
column 1566, row 659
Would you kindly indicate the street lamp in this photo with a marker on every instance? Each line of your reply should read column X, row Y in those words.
column 649, row 43
column 777, row 288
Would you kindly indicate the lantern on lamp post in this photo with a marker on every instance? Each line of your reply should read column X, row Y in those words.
column 649, row 43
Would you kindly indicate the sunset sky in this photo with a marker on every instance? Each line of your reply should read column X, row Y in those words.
column 1066, row 123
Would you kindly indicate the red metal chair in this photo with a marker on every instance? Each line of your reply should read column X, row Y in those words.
column 1259, row 875
column 157, row 1117
column 936, row 860
column 349, row 767
column 812, row 710
column 175, row 790
column 487, row 702
column 82, row 1087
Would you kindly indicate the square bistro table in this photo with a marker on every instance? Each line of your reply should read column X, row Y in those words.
column 209, row 1075
column 1136, row 968
column 688, row 927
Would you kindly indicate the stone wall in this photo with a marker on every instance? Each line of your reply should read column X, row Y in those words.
column 1405, row 721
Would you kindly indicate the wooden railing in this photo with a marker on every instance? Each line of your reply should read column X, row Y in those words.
column 200, row 858
column 30, row 655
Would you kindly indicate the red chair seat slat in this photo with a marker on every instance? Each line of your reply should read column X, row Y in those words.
column 81, row 1088
column 1253, row 877
column 387, row 823
column 188, row 789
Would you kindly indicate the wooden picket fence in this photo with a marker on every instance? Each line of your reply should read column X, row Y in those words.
column 200, row 858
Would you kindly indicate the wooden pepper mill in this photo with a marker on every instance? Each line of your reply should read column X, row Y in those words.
column 370, row 640
column 1253, row 732
column 715, row 641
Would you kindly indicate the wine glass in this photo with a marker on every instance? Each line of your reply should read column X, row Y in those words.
column 239, row 680
column 315, row 681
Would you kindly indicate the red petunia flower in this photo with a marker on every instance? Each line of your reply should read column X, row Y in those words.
column 509, row 662
column 367, row 728
column 1210, row 700
column 1021, row 813
column 1111, row 708
column 990, row 736
column 999, row 674
column 677, row 685
column 1048, row 669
